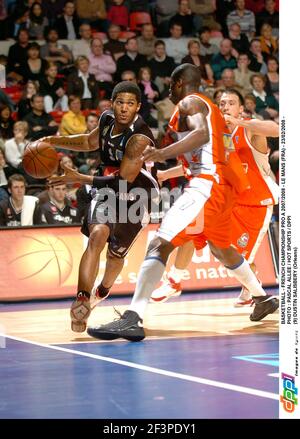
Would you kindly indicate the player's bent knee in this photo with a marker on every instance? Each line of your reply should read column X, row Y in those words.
column 98, row 238
column 160, row 248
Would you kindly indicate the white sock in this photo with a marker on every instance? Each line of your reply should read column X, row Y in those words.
column 150, row 273
column 247, row 278
column 176, row 274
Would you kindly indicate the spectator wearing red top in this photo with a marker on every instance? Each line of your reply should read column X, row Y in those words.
column 118, row 14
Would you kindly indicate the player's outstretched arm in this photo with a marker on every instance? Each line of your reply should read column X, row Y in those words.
column 76, row 142
column 267, row 128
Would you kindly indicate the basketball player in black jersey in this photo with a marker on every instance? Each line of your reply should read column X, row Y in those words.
column 121, row 137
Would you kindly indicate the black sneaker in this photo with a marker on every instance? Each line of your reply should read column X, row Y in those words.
column 128, row 326
column 264, row 305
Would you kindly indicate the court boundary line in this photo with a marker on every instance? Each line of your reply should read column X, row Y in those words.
column 163, row 372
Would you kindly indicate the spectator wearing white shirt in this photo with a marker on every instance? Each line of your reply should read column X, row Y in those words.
column 83, row 46
column 14, row 147
column 68, row 24
column 176, row 45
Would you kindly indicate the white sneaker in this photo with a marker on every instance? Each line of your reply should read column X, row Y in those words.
column 168, row 289
column 244, row 299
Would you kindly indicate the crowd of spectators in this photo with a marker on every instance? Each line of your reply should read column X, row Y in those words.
column 64, row 58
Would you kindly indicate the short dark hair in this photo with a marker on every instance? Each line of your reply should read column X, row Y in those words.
column 159, row 43
column 127, row 87
column 233, row 91
column 189, row 73
column 15, row 177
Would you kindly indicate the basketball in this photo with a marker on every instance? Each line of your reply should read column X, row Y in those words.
column 40, row 159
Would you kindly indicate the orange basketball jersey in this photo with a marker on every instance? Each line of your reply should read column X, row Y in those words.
column 264, row 191
column 217, row 158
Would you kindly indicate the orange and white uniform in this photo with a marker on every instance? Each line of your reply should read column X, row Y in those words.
column 203, row 211
column 252, row 212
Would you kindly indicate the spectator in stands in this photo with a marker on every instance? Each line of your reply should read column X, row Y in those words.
column 114, row 46
column 165, row 9
column 205, row 9
column 148, row 87
column 58, row 209
column 228, row 81
column 17, row 53
column 24, row 105
column 118, row 14
column 52, row 88
column 257, row 63
column 196, row 59
column 224, row 59
column 272, row 77
column 146, row 41
column 6, row 122
column 37, row 22
column 223, row 8
column 53, row 51
column 242, row 74
column 53, row 9
column 83, row 46
column 132, row 60
column 206, row 48
column 185, row 18
column 102, row 66
column 34, row 68
column 68, row 24
column 19, row 20
column 92, row 12
column 266, row 104
column 5, row 172
column 83, row 84
column 250, row 106
column 19, row 209
column 40, row 123
column 269, row 44
column 14, row 147
column 161, row 67
column 268, row 15
column 244, row 18
column 73, row 122
column 176, row 45
column 240, row 42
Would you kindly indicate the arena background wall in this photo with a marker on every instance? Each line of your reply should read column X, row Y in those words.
column 42, row 263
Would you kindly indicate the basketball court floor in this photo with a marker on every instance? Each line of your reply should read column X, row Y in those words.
column 202, row 359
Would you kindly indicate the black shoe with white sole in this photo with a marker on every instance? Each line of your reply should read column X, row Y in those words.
column 264, row 305
column 128, row 326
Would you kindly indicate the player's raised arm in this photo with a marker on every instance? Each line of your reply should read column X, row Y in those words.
column 76, row 142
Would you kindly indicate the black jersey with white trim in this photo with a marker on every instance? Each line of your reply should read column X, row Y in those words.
column 112, row 147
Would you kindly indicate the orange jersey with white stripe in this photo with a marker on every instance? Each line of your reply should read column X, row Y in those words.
column 204, row 160
column 264, row 191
